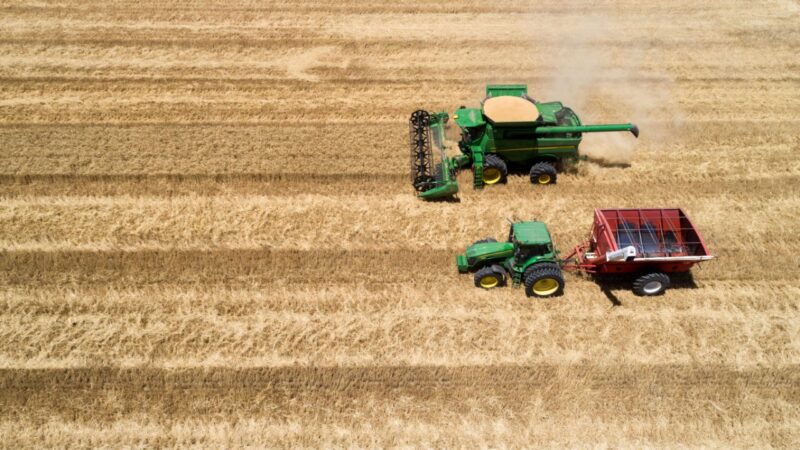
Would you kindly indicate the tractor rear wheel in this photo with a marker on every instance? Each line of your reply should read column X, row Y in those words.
column 651, row 284
column 485, row 240
column 544, row 280
column 489, row 277
column 494, row 170
column 543, row 173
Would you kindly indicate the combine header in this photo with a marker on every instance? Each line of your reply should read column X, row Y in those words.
column 510, row 129
column 647, row 244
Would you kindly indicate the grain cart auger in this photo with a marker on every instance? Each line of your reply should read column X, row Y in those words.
column 510, row 129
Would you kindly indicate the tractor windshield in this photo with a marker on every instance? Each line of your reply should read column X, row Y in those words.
column 526, row 252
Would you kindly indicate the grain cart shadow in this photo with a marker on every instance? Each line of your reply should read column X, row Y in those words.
column 610, row 284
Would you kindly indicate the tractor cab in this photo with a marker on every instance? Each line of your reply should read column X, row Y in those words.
column 532, row 243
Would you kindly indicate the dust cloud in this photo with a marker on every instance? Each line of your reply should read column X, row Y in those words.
column 607, row 86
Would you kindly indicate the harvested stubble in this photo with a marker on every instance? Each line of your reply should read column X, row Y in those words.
column 208, row 239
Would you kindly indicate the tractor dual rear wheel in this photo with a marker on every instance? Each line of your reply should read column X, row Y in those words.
column 544, row 280
column 494, row 170
column 543, row 173
column 489, row 277
column 651, row 284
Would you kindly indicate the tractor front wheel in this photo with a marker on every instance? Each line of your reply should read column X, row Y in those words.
column 485, row 241
column 543, row 173
column 651, row 284
column 489, row 277
column 544, row 280
column 494, row 170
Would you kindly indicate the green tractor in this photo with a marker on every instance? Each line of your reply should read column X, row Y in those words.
column 509, row 130
column 528, row 258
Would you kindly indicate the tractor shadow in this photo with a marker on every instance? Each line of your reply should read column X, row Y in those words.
column 610, row 284
column 453, row 199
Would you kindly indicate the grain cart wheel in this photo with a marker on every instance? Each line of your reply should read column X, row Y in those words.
column 494, row 170
column 544, row 280
column 651, row 284
column 485, row 240
column 543, row 173
column 490, row 277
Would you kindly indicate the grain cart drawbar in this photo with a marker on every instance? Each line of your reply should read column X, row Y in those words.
column 509, row 129
column 645, row 244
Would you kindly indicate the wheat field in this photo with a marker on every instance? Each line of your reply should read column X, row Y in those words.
column 208, row 237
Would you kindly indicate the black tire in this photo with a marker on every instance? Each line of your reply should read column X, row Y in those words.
column 485, row 240
column 651, row 284
column 493, row 162
column 485, row 273
column 543, row 173
column 539, row 273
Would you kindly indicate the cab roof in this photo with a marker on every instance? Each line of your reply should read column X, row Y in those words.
column 531, row 233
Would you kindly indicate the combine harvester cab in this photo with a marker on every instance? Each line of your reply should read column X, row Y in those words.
column 509, row 129
column 648, row 244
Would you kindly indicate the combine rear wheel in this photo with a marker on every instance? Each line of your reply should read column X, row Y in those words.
column 489, row 277
column 543, row 173
column 651, row 284
column 494, row 170
column 544, row 280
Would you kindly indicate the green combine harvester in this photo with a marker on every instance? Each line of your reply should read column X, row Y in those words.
column 510, row 129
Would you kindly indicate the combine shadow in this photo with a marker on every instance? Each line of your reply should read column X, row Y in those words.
column 608, row 164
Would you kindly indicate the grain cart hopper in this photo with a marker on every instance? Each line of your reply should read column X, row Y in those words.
column 646, row 244
column 509, row 129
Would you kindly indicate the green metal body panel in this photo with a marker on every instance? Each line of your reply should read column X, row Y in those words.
column 531, row 233
column 530, row 244
column 515, row 90
column 469, row 117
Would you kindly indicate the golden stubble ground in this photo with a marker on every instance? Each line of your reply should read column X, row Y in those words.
column 207, row 236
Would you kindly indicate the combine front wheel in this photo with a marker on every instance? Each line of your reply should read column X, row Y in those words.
column 543, row 173
column 494, row 170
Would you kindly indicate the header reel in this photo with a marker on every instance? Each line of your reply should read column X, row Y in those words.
column 432, row 175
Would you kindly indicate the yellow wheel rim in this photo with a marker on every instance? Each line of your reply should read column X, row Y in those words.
column 544, row 179
column 489, row 281
column 491, row 175
column 545, row 286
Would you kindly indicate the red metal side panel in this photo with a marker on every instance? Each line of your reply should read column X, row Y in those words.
column 658, row 234
column 602, row 233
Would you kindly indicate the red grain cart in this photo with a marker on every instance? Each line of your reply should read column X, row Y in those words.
column 648, row 244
